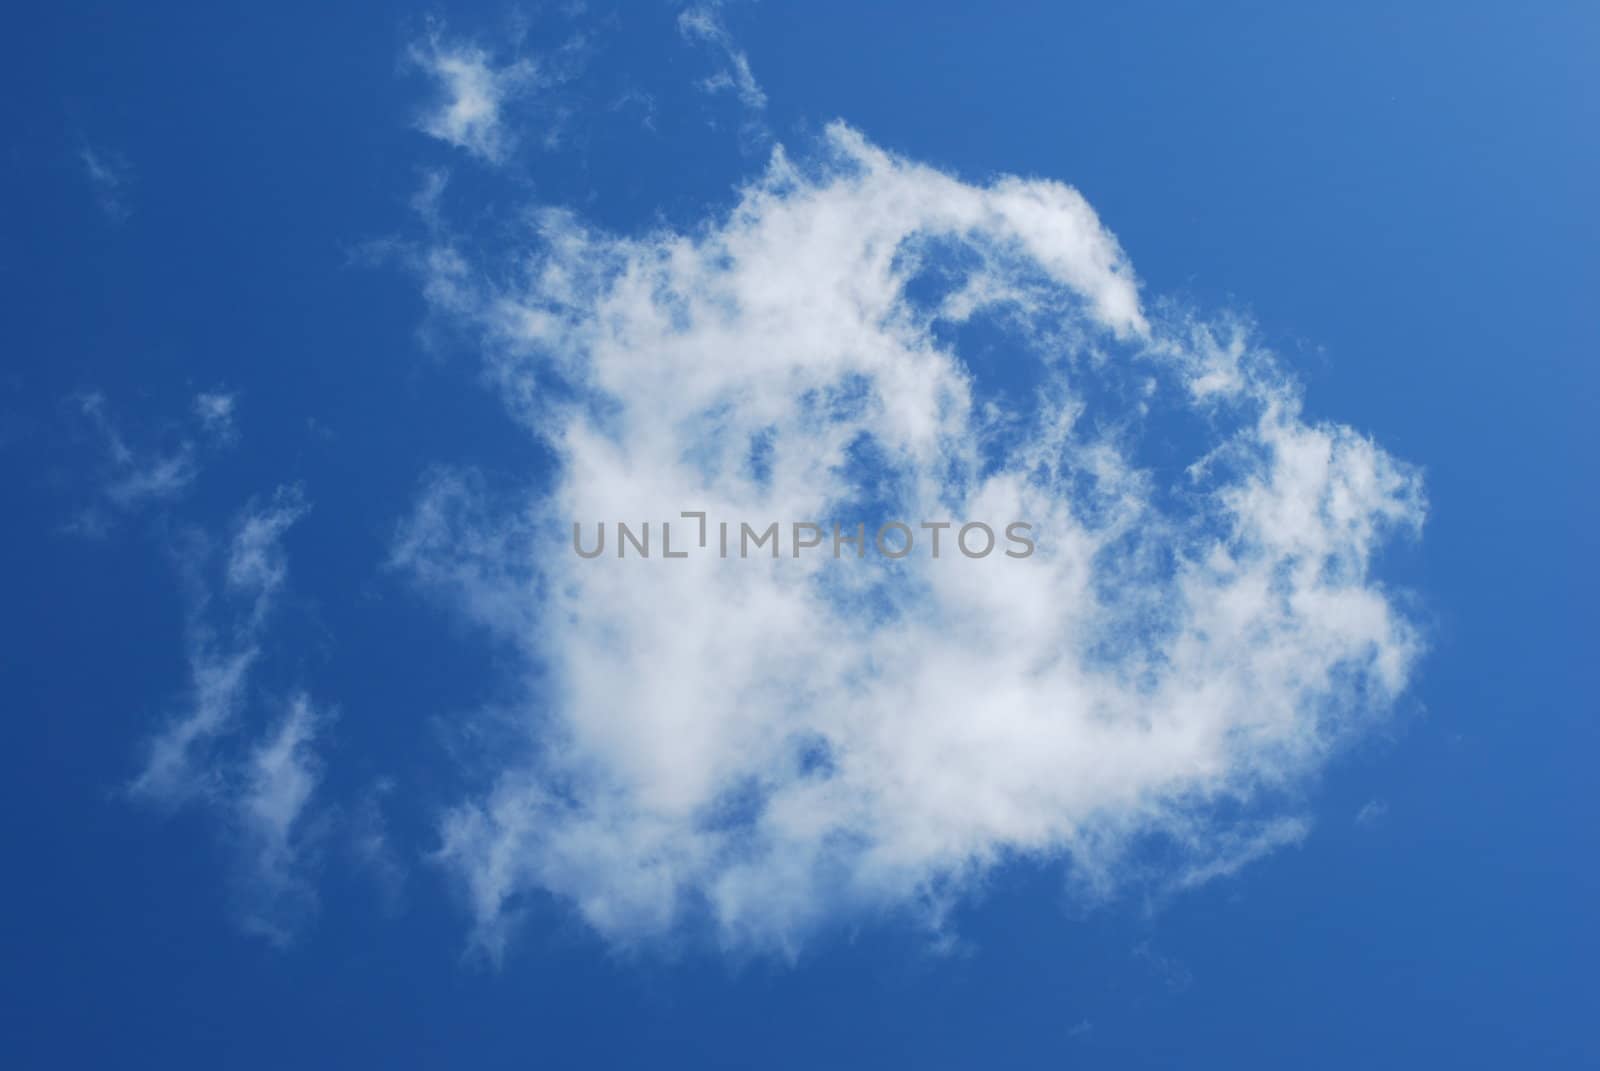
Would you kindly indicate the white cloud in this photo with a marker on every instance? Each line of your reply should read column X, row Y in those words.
column 256, row 563
column 108, row 175
column 1371, row 813
column 703, row 22
column 136, row 477
column 261, row 797
column 230, row 591
column 155, row 478
column 1235, row 848
column 224, row 643
column 279, row 778
column 768, row 745
column 473, row 91
column 373, row 848
column 214, row 410
column 217, row 680
column 1173, row 973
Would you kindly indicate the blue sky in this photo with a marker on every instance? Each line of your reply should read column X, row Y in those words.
column 322, row 325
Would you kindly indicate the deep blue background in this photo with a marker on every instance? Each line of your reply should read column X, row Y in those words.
column 1404, row 198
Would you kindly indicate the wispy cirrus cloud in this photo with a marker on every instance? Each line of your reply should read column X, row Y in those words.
column 472, row 93
column 1371, row 813
column 138, row 476
column 474, row 90
column 134, row 475
column 224, row 643
column 257, row 781
column 703, row 22
column 108, row 174
column 215, row 411
column 271, row 809
column 262, row 797
column 767, row 746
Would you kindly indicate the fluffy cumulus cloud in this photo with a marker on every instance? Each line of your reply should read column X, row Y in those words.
column 761, row 745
